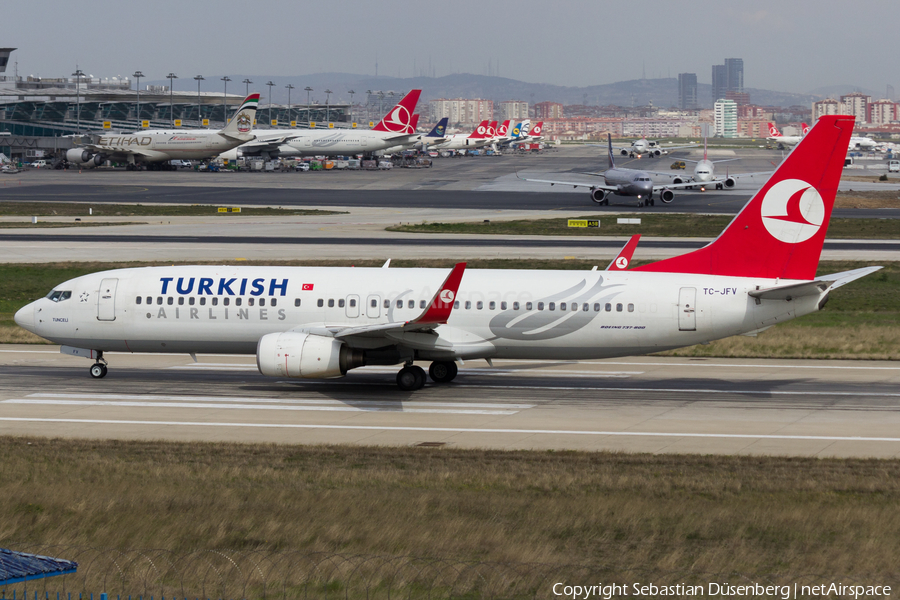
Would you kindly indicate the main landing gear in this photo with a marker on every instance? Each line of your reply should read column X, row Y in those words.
column 412, row 377
column 99, row 368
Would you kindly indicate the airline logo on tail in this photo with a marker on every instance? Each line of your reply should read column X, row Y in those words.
column 792, row 211
column 773, row 131
column 399, row 119
column 805, row 128
column 537, row 129
column 517, row 130
column 480, row 131
column 246, row 113
column 503, row 128
column 492, row 129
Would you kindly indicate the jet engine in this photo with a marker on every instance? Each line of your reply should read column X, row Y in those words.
column 678, row 180
column 80, row 156
column 598, row 196
column 304, row 355
column 666, row 196
column 729, row 183
column 624, row 152
column 655, row 153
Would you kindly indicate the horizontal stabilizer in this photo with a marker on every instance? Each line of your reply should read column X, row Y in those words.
column 796, row 290
column 846, row 277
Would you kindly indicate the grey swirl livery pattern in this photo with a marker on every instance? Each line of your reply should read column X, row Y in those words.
column 546, row 324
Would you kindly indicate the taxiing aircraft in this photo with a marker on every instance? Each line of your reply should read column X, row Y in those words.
column 321, row 322
column 645, row 147
column 705, row 173
column 394, row 129
column 156, row 147
column 620, row 181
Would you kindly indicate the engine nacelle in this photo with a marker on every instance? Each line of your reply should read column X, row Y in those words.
column 655, row 153
column 666, row 195
column 598, row 195
column 678, row 180
column 304, row 355
column 78, row 156
column 729, row 183
column 624, row 152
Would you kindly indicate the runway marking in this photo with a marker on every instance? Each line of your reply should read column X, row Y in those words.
column 326, row 401
column 294, row 407
column 748, row 436
column 867, row 394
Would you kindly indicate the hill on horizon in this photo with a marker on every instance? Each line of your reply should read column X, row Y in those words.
column 637, row 92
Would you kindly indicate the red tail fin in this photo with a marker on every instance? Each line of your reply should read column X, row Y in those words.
column 773, row 131
column 504, row 128
column 492, row 130
column 536, row 130
column 805, row 129
column 415, row 122
column 399, row 119
column 780, row 231
column 480, row 131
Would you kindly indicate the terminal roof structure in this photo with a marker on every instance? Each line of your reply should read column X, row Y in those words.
column 18, row 566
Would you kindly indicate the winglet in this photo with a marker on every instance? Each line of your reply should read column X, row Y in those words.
column 623, row 259
column 442, row 303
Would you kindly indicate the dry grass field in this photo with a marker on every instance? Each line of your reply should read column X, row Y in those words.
column 666, row 513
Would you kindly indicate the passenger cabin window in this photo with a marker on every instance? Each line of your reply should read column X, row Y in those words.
column 492, row 305
column 352, row 302
column 296, row 301
column 191, row 300
column 503, row 306
column 159, row 299
column 468, row 304
column 320, row 303
column 330, row 302
column 262, row 301
column 238, row 301
column 540, row 306
column 411, row 304
column 225, row 301
column 399, row 303
column 528, row 306
column 215, row 300
column 137, row 300
column 421, row 304
column 170, row 300
column 515, row 306
column 456, row 304
column 273, row 301
column 202, row 300
column 608, row 307
column 631, row 308
column 562, row 306
column 180, row 300
column 149, row 299
column 374, row 303
column 585, row 308
column 340, row 303
column 387, row 303
column 251, row 300
column 619, row 307
column 479, row 305
column 552, row 306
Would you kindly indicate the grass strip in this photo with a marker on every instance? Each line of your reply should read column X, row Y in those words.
column 657, row 225
column 80, row 209
column 667, row 512
column 860, row 321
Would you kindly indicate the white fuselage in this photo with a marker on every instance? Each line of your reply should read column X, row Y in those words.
column 334, row 142
column 704, row 171
column 161, row 145
column 787, row 140
column 500, row 313
column 462, row 141
column 862, row 143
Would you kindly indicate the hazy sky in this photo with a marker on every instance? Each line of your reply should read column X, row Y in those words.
column 792, row 46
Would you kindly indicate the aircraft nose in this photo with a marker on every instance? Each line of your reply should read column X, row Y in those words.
column 24, row 317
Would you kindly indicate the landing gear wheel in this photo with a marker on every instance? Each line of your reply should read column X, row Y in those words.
column 410, row 379
column 640, row 204
column 98, row 370
column 443, row 371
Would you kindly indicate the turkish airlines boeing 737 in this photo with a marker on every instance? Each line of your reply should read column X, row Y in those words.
column 320, row 322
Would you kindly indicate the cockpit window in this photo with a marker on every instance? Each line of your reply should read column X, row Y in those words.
column 59, row 296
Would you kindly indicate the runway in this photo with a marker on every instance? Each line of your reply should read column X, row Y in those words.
column 645, row 404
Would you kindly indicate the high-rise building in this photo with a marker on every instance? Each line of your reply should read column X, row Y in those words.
column 856, row 104
column 734, row 75
column 883, row 112
column 462, row 110
column 687, row 90
column 719, row 82
column 513, row 109
column 829, row 106
column 725, row 115
column 548, row 110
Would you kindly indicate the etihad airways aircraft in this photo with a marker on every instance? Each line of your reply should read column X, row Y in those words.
column 156, row 147
column 321, row 322
column 620, row 181
column 394, row 129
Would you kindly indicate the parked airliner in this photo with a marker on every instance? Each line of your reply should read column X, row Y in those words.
column 155, row 147
column 394, row 129
column 320, row 322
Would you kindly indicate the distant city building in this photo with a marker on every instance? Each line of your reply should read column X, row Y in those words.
column 513, row 109
column 719, row 82
column 687, row 90
column 829, row 106
column 856, row 104
column 725, row 114
column 753, row 128
column 734, row 75
column 740, row 98
column 462, row 110
column 548, row 110
column 884, row 112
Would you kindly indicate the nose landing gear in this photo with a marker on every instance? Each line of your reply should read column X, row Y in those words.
column 99, row 368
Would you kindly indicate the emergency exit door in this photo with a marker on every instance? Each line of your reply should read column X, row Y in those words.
column 106, row 300
column 687, row 309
